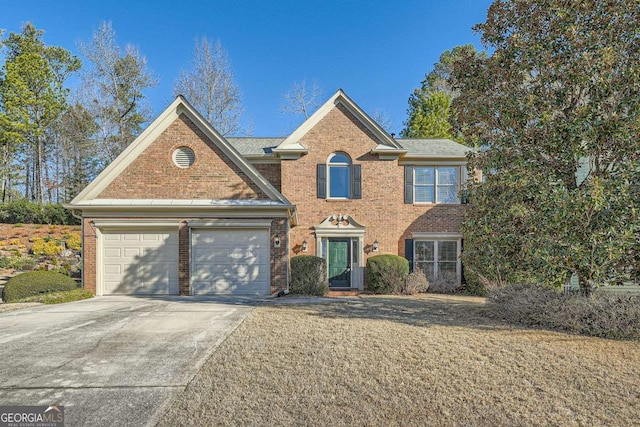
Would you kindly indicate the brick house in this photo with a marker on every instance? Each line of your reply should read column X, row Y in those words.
column 185, row 211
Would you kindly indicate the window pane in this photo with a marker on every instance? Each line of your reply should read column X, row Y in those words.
column 424, row 176
column 340, row 158
column 448, row 176
column 447, row 272
column 423, row 251
column 448, row 251
column 339, row 181
column 424, row 194
column 448, row 194
column 427, row 269
column 354, row 251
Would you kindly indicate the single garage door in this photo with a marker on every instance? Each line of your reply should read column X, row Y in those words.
column 144, row 263
column 230, row 261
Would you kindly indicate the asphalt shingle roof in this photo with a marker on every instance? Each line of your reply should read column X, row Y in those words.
column 437, row 148
column 425, row 148
column 255, row 147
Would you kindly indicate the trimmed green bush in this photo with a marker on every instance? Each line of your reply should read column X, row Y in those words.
column 309, row 275
column 36, row 282
column 386, row 274
column 601, row 315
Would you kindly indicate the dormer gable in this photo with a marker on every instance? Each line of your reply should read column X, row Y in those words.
column 387, row 148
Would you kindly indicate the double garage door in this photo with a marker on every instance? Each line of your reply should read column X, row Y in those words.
column 223, row 261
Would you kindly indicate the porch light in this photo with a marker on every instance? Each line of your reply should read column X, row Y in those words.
column 305, row 245
column 276, row 241
column 374, row 248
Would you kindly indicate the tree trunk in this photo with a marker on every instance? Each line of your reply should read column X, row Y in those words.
column 38, row 169
column 586, row 287
column 27, row 172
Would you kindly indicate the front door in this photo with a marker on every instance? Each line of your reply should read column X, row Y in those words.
column 339, row 263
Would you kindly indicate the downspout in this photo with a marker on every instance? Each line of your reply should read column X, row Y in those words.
column 75, row 215
column 287, row 229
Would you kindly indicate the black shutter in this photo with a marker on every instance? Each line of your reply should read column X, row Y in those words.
column 408, row 185
column 356, row 182
column 408, row 253
column 321, row 179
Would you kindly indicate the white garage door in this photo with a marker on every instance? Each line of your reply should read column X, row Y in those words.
column 230, row 261
column 140, row 263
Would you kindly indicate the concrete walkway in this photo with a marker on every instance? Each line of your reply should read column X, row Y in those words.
column 111, row 361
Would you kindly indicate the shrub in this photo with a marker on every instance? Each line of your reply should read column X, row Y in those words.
column 416, row 282
column 36, row 282
column 446, row 283
column 73, row 242
column 67, row 296
column 386, row 274
column 16, row 262
column 473, row 285
column 24, row 211
column 309, row 275
column 44, row 247
column 601, row 315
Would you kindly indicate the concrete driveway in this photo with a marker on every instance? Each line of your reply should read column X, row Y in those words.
column 111, row 360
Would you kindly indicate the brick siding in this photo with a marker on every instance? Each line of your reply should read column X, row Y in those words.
column 153, row 173
column 381, row 209
column 271, row 171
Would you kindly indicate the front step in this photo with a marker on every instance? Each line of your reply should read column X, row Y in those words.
column 349, row 293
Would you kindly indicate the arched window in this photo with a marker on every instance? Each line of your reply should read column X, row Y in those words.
column 339, row 176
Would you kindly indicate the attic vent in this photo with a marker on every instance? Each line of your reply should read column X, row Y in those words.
column 184, row 157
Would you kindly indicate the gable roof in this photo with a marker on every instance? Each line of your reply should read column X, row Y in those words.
column 292, row 143
column 178, row 107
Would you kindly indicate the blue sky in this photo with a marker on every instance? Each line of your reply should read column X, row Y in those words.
column 378, row 51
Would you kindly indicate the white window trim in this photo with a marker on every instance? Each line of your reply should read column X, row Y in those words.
column 435, row 168
column 436, row 238
column 341, row 164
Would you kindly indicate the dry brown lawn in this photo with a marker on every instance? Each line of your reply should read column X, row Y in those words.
column 429, row 360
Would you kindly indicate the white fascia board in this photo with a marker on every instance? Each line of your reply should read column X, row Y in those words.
column 186, row 214
column 385, row 152
column 224, row 223
column 340, row 97
column 136, row 223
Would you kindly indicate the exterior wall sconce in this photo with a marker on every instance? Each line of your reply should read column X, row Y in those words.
column 276, row 241
column 305, row 245
column 375, row 246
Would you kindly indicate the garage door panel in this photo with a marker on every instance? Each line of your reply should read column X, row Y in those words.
column 110, row 269
column 231, row 261
column 140, row 262
column 112, row 253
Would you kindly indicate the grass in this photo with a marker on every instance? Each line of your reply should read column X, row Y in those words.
column 58, row 297
column 428, row 360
